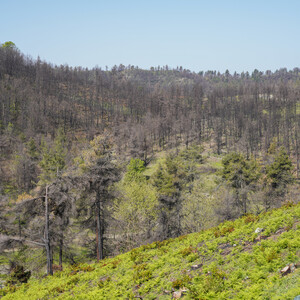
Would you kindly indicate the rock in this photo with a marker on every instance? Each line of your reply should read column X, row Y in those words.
column 195, row 267
column 286, row 270
column 297, row 297
column 234, row 245
column 258, row 230
column 177, row 295
column 180, row 293
column 167, row 292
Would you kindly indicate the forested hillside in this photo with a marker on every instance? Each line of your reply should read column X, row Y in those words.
column 96, row 162
column 149, row 108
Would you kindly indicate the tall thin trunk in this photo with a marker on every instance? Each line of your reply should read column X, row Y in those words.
column 99, row 228
column 297, row 153
column 61, row 243
column 97, row 239
column 47, row 237
column 19, row 226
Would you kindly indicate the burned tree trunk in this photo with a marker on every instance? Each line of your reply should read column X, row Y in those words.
column 99, row 231
column 47, row 236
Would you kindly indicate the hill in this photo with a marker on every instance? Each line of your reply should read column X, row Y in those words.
column 254, row 257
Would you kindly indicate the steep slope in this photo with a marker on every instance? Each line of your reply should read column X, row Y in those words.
column 243, row 259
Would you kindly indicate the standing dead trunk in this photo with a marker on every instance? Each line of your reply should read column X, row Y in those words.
column 297, row 153
column 97, row 238
column 19, row 226
column 61, row 243
column 99, row 230
column 47, row 237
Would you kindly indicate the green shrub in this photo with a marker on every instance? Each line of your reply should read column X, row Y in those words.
column 141, row 273
column 101, row 283
column 182, row 282
column 187, row 251
column 81, row 268
column 250, row 218
column 18, row 275
column 224, row 230
column 214, row 280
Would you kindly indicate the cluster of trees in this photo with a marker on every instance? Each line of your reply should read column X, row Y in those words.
column 66, row 197
column 149, row 108
column 65, row 134
column 86, row 202
column 246, row 176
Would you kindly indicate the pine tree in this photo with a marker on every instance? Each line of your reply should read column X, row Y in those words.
column 98, row 172
column 53, row 158
column 169, row 180
column 241, row 174
column 279, row 173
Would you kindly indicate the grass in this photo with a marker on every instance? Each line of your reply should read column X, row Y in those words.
column 236, row 263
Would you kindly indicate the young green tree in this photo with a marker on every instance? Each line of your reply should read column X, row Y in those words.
column 136, row 208
column 279, row 174
column 53, row 158
column 242, row 175
column 280, row 171
column 169, row 181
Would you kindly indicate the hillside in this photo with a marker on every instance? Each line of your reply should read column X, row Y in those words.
column 236, row 260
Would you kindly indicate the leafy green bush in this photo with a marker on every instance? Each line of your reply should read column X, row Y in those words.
column 182, row 282
column 187, row 251
column 18, row 275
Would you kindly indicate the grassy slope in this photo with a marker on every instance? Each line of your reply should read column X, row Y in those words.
column 236, row 265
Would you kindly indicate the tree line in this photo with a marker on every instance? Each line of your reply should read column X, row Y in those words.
column 160, row 107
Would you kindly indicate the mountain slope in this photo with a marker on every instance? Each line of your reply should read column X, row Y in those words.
column 236, row 260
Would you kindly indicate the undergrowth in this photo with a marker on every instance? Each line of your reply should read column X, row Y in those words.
column 230, row 261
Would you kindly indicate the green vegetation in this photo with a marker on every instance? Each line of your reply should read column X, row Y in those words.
column 241, row 174
column 279, row 173
column 236, row 263
column 53, row 159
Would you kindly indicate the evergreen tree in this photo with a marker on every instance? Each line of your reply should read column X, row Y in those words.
column 279, row 173
column 135, row 169
column 32, row 149
column 53, row 158
column 241, row 174
column 98, row 172
column 169, row 180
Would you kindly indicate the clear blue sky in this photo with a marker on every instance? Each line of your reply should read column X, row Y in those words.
column 199, row 35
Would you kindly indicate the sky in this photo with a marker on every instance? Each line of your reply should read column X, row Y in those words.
column 238, row 35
